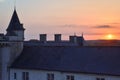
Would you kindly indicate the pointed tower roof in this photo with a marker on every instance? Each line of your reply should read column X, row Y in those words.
column 15, row 23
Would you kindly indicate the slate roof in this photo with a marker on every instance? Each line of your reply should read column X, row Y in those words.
column 93, row 60
column 15, row 23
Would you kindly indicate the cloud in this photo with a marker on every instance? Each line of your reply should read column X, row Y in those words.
column 89, row 33
column 103, row 26
column 72, row 26
column 116, row 23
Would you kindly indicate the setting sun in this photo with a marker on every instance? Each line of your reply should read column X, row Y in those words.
column 110, row 36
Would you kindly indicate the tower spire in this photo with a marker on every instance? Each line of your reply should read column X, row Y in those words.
column 14, row 23
column 14, row 4
column 15, row 28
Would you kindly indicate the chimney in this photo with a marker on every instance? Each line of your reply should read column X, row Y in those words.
column 57, row 37
column 73, row 39
column 80, row 40
column 43, row 37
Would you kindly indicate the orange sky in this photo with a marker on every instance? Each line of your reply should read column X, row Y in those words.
column 95, row 18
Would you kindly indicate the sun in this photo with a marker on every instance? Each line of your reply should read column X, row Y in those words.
column 110, row 36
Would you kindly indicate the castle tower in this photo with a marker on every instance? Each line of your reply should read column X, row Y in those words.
column 15, row 30
column 15, row 36
column 11, row 45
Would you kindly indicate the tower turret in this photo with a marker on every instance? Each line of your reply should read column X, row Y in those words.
column 15, row 30
column 15, row 36
column 11, row 45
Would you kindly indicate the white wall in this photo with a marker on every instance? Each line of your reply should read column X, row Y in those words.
column 5, row 55
column 42, row 75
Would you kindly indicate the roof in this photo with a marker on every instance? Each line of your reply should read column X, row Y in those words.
column 15, row 23
column 93, row 60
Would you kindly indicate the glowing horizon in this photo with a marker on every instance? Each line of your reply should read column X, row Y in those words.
column 95, row 18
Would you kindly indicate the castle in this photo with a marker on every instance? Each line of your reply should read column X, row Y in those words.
column 54, row 60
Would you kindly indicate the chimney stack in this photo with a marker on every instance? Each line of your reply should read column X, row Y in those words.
column 57, row 37
column 80, row 40
column 73, row 39
column 43, row 37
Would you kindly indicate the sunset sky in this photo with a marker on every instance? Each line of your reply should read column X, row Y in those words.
column 97, row 19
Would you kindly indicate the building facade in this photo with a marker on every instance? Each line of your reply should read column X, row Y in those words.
column 17, row 74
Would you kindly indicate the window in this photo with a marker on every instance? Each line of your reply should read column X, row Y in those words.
column 97, row 78
column 100, row 78
column 15, row 76
column 25, row 75
column 50, row 76
column 69, row 77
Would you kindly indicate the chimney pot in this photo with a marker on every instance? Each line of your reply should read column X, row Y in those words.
column 43, row 37
column 73, row 39
column 57, row 37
